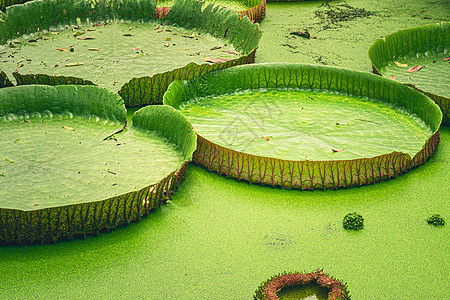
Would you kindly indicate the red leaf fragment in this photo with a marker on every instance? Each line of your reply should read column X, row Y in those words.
column 215, row 48
column 414, row 69
column 211, row 60
column 166, row 45
column 422, row 11
column 231, row 52
column 136, row 49
column 85, row 37
column 224, row 59
column 266, row 138
column 101, row 24
column 447, row 58
column 32, row 41
column 337, row 150
column 393, row 77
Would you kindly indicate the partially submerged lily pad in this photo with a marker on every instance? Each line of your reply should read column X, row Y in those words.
column 318, row 283
column 328, row 127
column 417, row 57
column 66, row 150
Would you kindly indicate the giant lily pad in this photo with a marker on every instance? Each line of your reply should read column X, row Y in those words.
column 70, row 165
column 307, row 127
column 121, row 45
column 418, row 57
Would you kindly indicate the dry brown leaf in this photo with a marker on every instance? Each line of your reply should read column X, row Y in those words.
column 414, row 69
column 85, row 37
column 231, row 52
column 63, row 49
column 212, row 60
column 93, row 49
column 337, row 150
column 400, row 64
column 68, row 128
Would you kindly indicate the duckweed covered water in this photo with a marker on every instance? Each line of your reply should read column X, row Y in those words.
column 300, row 124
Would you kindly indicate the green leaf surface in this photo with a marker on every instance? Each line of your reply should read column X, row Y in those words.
column 234, row 5
column 112, row 58
column 67, row 145
column 263, row 130
column 302, row 125
column 425, row 46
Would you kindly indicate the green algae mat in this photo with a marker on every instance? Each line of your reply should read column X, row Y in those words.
column 219, row 239
column 270, row 124
column 68, row 160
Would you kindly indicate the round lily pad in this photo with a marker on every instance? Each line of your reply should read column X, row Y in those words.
column 122, row 45
column 419, row 57
column 111, row 54
column 67, row 149
column 301, row 126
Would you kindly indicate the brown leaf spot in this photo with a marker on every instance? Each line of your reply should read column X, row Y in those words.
column 211, row 60
column 414, row 69
column 400, row 64
column 85, row 37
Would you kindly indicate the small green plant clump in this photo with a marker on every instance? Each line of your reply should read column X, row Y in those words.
column 436, row 220
column 353, row 221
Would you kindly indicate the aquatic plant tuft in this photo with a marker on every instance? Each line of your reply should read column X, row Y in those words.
column 436, row 220
column 353, row 221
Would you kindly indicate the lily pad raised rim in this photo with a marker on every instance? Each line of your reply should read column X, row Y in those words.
column 255, row 12
column 64, row 222
column 307, row 175
column 268, row 290
column 432, row 37
column 217, row 21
